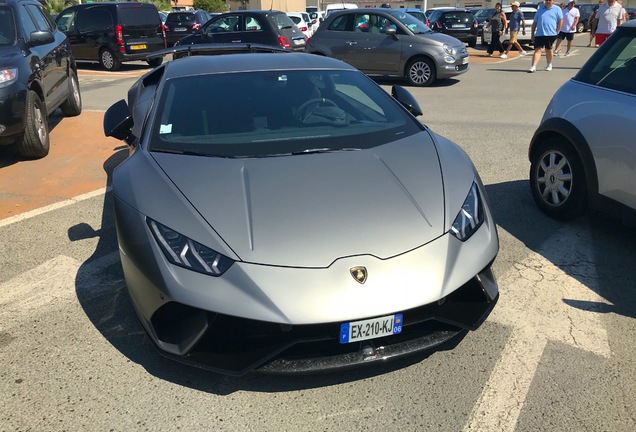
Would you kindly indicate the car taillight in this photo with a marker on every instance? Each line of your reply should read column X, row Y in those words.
column 428, row 24
column 196, row 26
column 437, row 24
column 303, row 29
column 475, row 24
column 307, row 41
column 284, row 42
column 163, row 33
column 119, row 38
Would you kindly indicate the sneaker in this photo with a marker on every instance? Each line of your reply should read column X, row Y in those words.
column 489, row 54
column 549, row 67
column 532, row 69
column 503, row 56
column 556, row 52
column 567, row 53
column 522, row 53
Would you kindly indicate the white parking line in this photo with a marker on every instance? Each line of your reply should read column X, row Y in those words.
column 57, row 205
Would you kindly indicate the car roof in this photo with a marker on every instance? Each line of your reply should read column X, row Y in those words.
column 250, row 62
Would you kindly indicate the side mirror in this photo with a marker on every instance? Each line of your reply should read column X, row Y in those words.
column 406, row 99
column 43, row 37
column 391, row 32
column 118, row 122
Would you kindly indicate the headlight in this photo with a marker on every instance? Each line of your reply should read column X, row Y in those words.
column 8, row 75
column 184, row 252
column 449, row 59
column 470, row 217
column 449, row 49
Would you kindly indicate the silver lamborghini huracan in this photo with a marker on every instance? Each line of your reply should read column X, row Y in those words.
column 281, row 212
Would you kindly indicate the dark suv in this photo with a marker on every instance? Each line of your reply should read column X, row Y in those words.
column 183, row 23
column 112, row 33
column 37, row 75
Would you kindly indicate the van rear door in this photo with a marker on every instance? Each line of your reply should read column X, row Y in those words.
column 141, row 28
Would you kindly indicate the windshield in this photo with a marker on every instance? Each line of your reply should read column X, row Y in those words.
column 7, row 27
column 412, row 23
column 273, row 113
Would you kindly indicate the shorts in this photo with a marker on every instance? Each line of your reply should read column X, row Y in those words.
column 600, row 38
column 566, row 35
column 513, row 36
column 544, row 42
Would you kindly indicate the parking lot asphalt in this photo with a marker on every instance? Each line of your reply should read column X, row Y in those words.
column 79, row 151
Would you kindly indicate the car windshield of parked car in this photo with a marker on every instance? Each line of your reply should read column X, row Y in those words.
column 272, row 113
column 413, row 24
column 7, row 27
column 614, row 66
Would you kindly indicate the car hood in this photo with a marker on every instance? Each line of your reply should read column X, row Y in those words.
column 442, row 38
column 8, row 54
column 309, row 210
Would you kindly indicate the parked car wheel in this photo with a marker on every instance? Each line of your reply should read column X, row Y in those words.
column 557, row 179
column 35, row 141
column 420, row 72
column 580, row 27
column 108, row 60
column 155, row 62
column 73, row 105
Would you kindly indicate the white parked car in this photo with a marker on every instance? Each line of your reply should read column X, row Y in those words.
column 303, row 22
column 524, row 39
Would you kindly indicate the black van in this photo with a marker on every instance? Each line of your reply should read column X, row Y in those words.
column 112, row 33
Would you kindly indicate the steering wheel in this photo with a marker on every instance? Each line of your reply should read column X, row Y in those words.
column 305, row 109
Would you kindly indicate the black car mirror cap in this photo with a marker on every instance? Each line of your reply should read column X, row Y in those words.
column 38, row 38
column 118, row 122
column 406, row 99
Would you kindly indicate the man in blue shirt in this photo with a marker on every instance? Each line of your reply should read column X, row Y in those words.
column 545, row 28
column 515, row 24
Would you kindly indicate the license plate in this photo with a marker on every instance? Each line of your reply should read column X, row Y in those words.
column 180, row 29
column 372, row 328
column 298, row 41
column 465, row 60
column 458, row 26
column 137, row 47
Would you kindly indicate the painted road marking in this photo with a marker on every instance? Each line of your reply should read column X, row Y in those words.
column 533, row 302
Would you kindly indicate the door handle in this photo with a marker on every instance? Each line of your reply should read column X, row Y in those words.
column 236, row 41
column 350, row 43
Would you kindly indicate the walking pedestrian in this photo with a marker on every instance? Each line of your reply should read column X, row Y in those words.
column 610, row 16
column 515, row 23
column 593, row 21
column 571, row 16
column 497, row 24
column 545, row 28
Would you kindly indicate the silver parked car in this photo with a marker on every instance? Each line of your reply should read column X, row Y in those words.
column 300, row 219
column 390, row 42
column 584, row 152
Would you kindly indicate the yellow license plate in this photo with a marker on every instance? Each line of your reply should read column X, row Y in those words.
column 137, row 47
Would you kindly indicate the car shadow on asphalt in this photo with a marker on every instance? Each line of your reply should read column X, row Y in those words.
column 389, row 81
column 612, row 246
column 125, row 67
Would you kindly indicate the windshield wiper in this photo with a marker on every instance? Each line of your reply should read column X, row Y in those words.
column 183, row 152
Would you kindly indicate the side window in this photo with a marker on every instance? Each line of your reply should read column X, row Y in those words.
column 342, row 23
column 66, row 22
column 94, row 20
column 225, row 24
column 361, row 23
column 252, row 24
column 616, row 69
column 42, row 20
column 26, row 23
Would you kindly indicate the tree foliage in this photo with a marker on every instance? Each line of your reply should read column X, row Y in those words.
column 210, row 5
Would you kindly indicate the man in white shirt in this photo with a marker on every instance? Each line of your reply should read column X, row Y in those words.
column 571, row 16
column 610, row 15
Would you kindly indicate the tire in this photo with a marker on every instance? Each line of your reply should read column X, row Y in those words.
column 155, row 62
column 580, row 27
column 35, row 139
column 108, row 60
column 73, row 104
column 558, row 180
column 420, row 72
column 472, row 43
